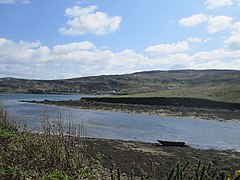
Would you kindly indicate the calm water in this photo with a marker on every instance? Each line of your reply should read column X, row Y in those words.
column 114, row 125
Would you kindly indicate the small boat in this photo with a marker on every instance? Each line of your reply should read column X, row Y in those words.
column 172, row 143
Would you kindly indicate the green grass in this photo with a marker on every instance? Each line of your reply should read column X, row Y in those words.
column 201, row 172
column 216, row 93
column 38, row 157
column 8, row 133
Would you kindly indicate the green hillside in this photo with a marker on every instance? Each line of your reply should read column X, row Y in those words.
column 229, row 93
column 220, row 85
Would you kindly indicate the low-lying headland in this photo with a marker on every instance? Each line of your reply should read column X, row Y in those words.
column 160, row 106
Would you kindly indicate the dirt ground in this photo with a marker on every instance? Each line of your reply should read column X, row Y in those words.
column 156, row 159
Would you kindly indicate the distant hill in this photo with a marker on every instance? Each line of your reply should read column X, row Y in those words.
column 221, row 85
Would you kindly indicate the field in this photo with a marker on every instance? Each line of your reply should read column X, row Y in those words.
column 229, row 93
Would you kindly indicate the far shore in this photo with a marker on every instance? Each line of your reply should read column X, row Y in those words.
column 155, row 110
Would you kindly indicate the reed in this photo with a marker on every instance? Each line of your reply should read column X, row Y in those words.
column 201, row 172
column 49, row 154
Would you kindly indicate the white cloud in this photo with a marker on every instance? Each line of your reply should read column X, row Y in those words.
column 218, row 23
column 235, row 27
column 88, row 20
column 14, row 1
column 211, row 4
column 168, row 48
column 75, row 46
column 217, row 64
column 33, row 60
column 193, row 20
column 208, row 39
column 194, row 39
column 214, row 23
column 233, row 41
column 216, row 54
column 216, row 59
column 21, row 51
column 78, row 11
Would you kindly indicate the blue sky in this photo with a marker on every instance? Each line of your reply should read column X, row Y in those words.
column 64, row 39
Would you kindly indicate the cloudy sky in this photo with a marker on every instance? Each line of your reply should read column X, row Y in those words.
column 64, row 39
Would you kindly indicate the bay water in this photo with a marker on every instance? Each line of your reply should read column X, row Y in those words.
column 126, row 126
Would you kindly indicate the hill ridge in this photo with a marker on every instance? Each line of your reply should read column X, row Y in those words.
column 223, row 83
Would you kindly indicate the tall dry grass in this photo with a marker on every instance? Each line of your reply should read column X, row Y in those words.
column 49, row 154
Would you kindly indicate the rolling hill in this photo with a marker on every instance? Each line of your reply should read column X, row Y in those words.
column 222, row 85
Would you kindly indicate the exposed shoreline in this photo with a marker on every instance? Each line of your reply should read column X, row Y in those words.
column 155, row 110
column 150, row 157
column 140, row 155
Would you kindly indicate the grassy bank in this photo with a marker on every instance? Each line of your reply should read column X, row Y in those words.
column 229, row 93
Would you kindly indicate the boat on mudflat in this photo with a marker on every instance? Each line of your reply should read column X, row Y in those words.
column 172, row 143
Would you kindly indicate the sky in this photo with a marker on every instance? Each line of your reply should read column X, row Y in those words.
column 57, row 39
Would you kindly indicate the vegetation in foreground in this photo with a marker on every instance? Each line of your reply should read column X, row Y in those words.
column 52, row 155
column 25, row 155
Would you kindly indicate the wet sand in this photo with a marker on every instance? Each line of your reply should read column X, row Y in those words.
column 187, row 112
